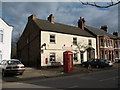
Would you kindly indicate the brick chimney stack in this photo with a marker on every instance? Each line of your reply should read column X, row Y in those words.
column 105, row 28
column 115, row 34
column 81, row 23
column 32, row 17
column 51, row 18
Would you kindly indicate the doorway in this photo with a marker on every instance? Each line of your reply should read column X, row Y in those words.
column 82, row 57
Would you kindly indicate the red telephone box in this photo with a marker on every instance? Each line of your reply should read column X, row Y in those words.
column 68, row 61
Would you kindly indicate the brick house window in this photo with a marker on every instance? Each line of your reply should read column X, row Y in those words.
column 90, row 42
column 52, row 38
column 118, row 44
column 117, row 54
column 52, row 57
column 74, row 40
column 1, row 35
column 105, row 42
column 110, row 42
column 102, row 42
column 102, row 54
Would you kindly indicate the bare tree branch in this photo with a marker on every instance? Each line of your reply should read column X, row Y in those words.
column 101, row 6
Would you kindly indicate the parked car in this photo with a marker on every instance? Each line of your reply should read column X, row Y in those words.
column 98, row 63
column 12, row 66
column 117, row 60
column 109, row 62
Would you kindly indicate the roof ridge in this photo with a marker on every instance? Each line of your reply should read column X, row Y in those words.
column 103, row 31
column 59, row 23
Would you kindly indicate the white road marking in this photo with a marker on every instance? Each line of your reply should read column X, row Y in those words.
column 73, row 86
column 113, row 78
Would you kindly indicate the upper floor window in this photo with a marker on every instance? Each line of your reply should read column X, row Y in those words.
column 52, row 38
column 103, row 42
column 110, row 42
column 74, row 40
column 118, row 44
column 1, row 35
column 90, row 42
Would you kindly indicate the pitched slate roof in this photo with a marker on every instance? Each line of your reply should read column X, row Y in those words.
column 100, row 32
column 61, row 28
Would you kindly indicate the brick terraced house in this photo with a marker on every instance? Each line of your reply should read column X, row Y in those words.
column 108, row 45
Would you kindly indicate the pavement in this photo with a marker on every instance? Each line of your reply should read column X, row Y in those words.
column 33, row 73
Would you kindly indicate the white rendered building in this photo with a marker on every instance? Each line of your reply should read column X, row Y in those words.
column 5, row 40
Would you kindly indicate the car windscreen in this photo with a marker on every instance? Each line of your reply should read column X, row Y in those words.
column 13, row 62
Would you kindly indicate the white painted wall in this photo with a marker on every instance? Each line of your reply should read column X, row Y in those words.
column 5, row 46
column 59, row 47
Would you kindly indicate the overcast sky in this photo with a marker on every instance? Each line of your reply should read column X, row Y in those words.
column 16, row 14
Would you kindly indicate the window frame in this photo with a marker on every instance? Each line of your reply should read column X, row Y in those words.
column 51, row 57
column 1, row 55
column 1, row 35
column 54, row 39
column 89, row 42
column 74, row 40
column 75, row 58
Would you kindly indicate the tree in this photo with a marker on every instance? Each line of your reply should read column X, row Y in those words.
column 107, row 5
column 81, row 47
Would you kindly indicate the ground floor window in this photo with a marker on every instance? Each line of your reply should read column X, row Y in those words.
column 0, row 55
column 90, row 53
column 117, row 54
column 102, row 54
column 75, row 57
column 52, row 57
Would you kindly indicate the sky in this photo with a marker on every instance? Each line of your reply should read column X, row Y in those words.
column 16, row 14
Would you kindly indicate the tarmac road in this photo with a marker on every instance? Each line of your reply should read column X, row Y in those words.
column 102, row 79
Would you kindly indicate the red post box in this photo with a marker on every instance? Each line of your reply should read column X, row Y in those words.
column 46, row 60
column 68, row 61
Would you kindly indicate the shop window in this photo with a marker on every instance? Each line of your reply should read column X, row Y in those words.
column 52, row 57
column 52, row 38
column 74, row 40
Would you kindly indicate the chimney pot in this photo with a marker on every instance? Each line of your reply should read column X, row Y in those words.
column 105, row 28
column 81, row 23
column 115, row 33
column 51, row 18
